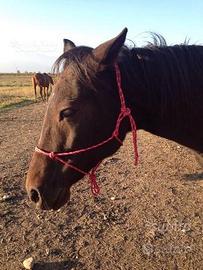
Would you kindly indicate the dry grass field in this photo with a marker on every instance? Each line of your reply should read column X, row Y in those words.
column 15, row 90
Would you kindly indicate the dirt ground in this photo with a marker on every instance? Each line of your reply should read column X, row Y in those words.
column 147, row 217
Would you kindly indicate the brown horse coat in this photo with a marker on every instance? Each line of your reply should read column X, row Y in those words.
column 162, row 86
column 43, row 81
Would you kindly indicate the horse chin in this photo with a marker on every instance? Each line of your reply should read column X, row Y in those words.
column 62, row 199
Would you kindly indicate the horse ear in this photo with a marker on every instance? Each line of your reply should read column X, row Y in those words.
column 68, row 45
column 107, row 52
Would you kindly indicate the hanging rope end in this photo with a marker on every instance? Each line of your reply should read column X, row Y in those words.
column 94, row 186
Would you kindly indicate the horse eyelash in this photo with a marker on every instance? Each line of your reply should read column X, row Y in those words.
column 62, row 116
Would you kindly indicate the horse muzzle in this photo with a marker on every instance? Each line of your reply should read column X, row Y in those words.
column 48, row 201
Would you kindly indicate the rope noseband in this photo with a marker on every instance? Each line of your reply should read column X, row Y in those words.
column 124, row 112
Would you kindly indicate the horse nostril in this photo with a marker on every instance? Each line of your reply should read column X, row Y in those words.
column 34, row 195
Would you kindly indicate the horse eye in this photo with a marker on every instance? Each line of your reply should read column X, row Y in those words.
column 66, row 113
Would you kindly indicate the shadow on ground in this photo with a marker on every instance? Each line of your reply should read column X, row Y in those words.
column 64, row 265
column 20, row 104
column 193, row 177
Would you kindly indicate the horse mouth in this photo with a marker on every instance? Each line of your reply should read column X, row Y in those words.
column 62, row 198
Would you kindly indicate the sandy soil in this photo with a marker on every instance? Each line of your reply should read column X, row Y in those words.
column 147, row 217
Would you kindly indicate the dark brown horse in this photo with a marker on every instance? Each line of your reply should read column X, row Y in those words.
column 43, row 80
column 162, row 85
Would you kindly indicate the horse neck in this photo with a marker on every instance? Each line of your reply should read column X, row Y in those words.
column 142, row 81
column 161, row 98
column 136, row 89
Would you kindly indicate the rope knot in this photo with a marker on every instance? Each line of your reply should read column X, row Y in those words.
column 115, row 133
column 52, row 155
column 126, row 111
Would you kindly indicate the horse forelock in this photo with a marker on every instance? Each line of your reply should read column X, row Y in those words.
column 74, row 56
column 75, row 59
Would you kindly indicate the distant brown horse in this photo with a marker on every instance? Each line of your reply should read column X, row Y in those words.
column 43, row 80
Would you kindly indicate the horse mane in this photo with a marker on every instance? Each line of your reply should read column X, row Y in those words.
column 169, row 74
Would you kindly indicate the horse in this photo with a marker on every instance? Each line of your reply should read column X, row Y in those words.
column 102, row 94
column 43, row 81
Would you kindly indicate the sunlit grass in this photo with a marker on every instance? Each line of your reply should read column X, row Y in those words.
column 15, row 89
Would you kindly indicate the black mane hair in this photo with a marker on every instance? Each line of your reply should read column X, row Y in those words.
column 170, row 76
column 168, row 73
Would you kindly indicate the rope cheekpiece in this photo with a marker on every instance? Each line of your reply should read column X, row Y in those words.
column 125, row 112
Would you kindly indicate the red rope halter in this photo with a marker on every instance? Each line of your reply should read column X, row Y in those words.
column 124, row 112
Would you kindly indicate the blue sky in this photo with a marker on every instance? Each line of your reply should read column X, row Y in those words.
column 32, row 31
